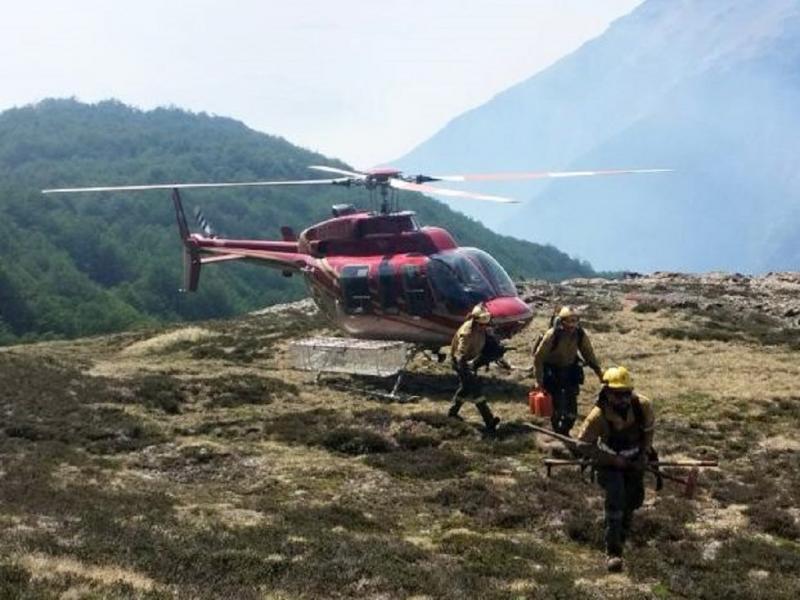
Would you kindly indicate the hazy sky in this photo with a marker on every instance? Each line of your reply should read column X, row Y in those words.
column 361, row 80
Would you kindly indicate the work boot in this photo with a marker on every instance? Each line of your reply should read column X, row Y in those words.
column 489, row 419
column 560, row 424
column 614, row 564
column 453, row 412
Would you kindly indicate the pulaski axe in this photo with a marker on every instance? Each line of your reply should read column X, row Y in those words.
column 689, row 482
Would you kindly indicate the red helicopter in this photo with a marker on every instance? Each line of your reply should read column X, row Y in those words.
column 375, row 274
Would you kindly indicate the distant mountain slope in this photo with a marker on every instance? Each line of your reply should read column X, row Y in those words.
column 708, row 87
column 76, row 265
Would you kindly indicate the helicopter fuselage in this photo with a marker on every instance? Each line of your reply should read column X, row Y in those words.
column 376, row 275
column 382, row 276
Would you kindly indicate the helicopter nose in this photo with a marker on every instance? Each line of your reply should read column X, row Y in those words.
column 509, row 314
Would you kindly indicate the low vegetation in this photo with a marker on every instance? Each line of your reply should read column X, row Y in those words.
column 133, row 468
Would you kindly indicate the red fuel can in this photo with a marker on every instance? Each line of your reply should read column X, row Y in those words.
column 540, row 403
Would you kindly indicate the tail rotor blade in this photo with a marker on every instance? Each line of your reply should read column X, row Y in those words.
column 203, row 223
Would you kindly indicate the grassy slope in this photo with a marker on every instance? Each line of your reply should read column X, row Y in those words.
column 195, row 463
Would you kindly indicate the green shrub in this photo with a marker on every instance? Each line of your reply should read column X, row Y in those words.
column 355, row 441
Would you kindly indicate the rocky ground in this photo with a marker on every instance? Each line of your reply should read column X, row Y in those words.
column 194, row 462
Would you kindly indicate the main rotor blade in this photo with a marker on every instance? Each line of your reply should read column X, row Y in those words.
column 354, row 174
column 541, row 174
column 429, row 189
column 185, row 186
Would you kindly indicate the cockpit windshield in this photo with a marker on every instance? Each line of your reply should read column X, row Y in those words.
column 465, row 276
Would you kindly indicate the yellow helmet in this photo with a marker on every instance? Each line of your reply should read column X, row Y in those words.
column 566, row 312
column 481, row 314
column 618, row 378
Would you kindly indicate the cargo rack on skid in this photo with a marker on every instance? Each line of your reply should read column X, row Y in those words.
column 375, row 358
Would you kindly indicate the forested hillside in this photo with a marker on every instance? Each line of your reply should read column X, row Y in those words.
column 78, row 265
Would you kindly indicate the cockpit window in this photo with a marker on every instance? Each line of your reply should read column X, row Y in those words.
column 501, row 282
column 465, row 276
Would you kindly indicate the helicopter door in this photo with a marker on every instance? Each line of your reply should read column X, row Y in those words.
column 418, row 297
column 355, row 287
column 387, row 288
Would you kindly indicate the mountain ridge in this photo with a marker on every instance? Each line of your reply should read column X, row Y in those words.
column 659, row 85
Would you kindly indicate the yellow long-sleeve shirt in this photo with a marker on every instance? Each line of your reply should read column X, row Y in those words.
column 601, row 423
column 565, row 353
column 468, row 341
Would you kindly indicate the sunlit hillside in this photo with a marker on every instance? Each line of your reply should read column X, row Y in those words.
column 194, row 462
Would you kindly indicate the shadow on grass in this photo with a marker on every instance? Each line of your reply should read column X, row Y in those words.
column 439, row 386
column 43, row 401
column 425, row 463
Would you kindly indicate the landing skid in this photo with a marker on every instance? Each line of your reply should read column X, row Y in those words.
column 394, row 396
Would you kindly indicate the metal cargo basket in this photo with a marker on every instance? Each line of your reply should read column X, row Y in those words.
column 351, row 356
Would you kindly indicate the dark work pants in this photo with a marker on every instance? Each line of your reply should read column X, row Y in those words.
column 469, row 384
column 565, row 404
column 624, row 494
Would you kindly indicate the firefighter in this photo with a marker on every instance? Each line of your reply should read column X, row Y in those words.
column 466, row 350
column 621, row 421
column 558, row 369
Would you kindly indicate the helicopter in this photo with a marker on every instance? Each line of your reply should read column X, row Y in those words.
column 376, row 274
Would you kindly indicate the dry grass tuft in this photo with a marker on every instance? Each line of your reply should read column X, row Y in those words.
column 45, row 567
column 167, row 341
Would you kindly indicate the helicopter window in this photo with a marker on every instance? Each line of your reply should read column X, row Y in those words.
column 491, row 269
column 418, row 296
column 355, row 286
column 387, row 287
column 450, row 289
column 458, row 281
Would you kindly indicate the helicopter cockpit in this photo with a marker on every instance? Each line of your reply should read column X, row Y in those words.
column 462, row 277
